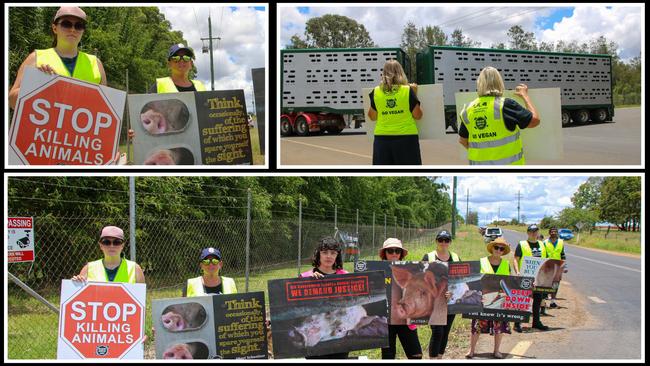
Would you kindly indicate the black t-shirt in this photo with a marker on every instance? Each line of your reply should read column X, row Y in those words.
column 514, row 114
column 69, row 63
column 535, row 248
column 413, row 100
column 323, row 273
column 426, row 258
column 111, row 273
column 154, row 88
column 495, row 267
column 217, row 290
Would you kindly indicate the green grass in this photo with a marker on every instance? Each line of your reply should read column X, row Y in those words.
column 32, row 327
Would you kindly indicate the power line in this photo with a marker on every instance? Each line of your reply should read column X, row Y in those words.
column 505, row 18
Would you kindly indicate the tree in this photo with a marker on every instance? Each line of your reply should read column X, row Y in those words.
column 547, row 222
column 521, row 40
column 333, row 31
column 588, row 194
column 458, row 39
column 620, row 202
column 411, row 42
column 432, row 36
column 572, row 216
column 472, row 218
column 499, row 46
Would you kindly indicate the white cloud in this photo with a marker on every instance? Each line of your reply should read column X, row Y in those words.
column 242, row 46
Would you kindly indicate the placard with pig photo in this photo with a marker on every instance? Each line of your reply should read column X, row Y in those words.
column 546, row 272
column 418, row 293
column 365, row 266
column 465, row 287
column 505, row 298
column 338, row 313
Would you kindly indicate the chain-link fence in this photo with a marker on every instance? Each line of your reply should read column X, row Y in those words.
column 167, row 249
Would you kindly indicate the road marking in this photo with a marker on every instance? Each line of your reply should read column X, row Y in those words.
column 519, row 350
column 565, row 282
column 597, row 300
column 329, row 148
column 605, row 263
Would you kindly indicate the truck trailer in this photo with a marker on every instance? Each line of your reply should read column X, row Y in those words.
column 321, row 88
column 585, row 80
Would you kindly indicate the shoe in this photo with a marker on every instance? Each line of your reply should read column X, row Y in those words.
column 540, row 326
column 498, row 355
column 517, row 328
column 553, row 305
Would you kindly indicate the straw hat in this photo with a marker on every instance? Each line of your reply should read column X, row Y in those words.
column 392, row 243
column 501, row 241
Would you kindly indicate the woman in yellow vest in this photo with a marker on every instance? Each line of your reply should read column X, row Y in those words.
column 532, row 247
column 491, row 124
column 210, row 282
column 395, row 107
column 494, row 264
column 112, row 268
column 179, row 61
column 64, row 58
column 555, row 250
column 440, row 333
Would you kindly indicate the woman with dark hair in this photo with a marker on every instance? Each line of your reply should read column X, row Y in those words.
column 326, row 261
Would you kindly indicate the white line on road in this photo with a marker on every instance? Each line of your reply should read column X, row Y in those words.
column 565, row 282
column 329, row 148
column 519, row 350
column 601, row 262
column 597, row 300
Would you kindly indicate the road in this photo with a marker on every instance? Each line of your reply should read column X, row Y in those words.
column 600, row 314
column 617, row 143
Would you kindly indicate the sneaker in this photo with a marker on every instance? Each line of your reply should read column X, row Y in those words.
column 517, row 328
column 553, row 305
column 540, row 326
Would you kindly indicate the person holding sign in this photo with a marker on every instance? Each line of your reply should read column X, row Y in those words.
column 395, row 107
column 64, row 58
column 392, row 251
column 555, row 250
column 210, row 282
column 440, row 333
column 179, row 60
column 112, row 268
column 531, row 248
column 326, row 261
column 494, row 264
column 491, row 124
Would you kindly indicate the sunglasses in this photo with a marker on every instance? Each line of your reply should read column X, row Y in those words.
column 444, row 240
column 116, row 242
column 208, row 261
column 394, row 251
column 66, row 24
column 499, row 248
column 185, row 58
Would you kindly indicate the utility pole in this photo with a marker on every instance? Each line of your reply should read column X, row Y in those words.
column 467, row 209
column 210, row 41
column 518, row 202
column 453, row 207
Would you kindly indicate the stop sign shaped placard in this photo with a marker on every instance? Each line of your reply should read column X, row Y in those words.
column 102, row 320
column 66, row 121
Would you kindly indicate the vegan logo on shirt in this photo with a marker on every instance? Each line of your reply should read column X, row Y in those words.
column 481, row 122
column 391, row 103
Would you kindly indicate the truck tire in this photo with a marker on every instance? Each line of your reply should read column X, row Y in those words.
column 599, row 115
column 451, row 120
column 285, row 127
column 566, row 118
column 334, row 130
column 580, row 117
column 302, row 126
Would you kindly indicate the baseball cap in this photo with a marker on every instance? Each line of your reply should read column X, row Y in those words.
column 206, row 252
column 112, row 231
column 177, row 47
column 74, row 11
column 533, row 227
column 443, row 235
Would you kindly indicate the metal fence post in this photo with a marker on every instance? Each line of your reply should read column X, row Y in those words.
column 385, row 227
column 32, row 292
column 357, row 223
column 335, row 223
column 248, row 237
column 299, row 232
column 373, row 230
column 395, row 231
column 132, row 216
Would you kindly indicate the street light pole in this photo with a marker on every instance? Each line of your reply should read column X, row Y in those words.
column 211, row 57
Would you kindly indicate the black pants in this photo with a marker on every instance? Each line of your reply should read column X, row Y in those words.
column 439, row 337
column 396, row 150
column 537, row 303
column 408, row 338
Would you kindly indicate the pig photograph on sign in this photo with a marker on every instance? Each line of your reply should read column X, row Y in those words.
column 505, row 298
column 418, row 293
column 335, row 314
column 465, row 287
column 365, row 266
column 546, row 272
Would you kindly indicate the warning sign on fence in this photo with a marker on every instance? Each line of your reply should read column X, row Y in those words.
column 101, row 320
column 20, row 239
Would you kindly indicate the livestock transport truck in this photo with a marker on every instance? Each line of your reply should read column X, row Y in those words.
column 585, row 80
column 321, row 88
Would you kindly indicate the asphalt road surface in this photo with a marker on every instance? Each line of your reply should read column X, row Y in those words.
column 611, row 143
column 607, row 289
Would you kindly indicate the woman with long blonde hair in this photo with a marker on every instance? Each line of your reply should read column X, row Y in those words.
column 395, row 107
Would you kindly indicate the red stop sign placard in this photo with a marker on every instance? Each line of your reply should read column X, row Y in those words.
column 102, row 320
column 66, row 121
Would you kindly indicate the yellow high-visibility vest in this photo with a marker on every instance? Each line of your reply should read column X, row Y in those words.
column 526, row 251
column 125, row 273
column 86, row 68
column 166, row 85
column 432, row 256
column 195, row 286
column 554, row 251
column 504, row 267
column 393, row 112
column 489, row 141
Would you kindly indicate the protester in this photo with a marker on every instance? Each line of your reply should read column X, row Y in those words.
column 180, row 62
column 494, row 264
column 531, row 247
column 408, row 336
column 210, row 282
column 555, row 250
column 326, row 261
column 440, row 333
column 491, row 124
column 64, row 58
column 395, row 107
column 112, row 268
